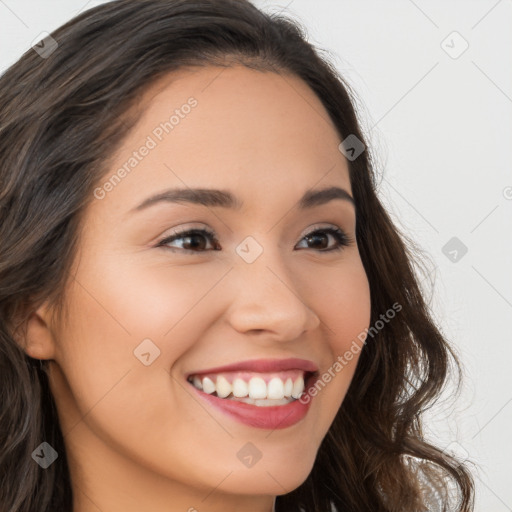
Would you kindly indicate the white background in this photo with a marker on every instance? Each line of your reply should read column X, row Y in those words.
column 440, row 129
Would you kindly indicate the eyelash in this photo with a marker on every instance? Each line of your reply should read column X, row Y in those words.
column 340, row 236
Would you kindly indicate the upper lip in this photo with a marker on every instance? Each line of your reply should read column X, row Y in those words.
column 263, row 365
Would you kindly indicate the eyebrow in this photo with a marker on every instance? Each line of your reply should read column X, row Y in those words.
column 225, row 199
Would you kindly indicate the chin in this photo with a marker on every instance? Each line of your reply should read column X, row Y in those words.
column 274, row 477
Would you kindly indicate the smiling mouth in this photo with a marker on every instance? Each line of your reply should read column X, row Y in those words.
column 255, row 388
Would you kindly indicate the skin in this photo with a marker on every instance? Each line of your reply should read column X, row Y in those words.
column 135, row 436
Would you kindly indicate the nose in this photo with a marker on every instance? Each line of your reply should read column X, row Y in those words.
column 267, row 301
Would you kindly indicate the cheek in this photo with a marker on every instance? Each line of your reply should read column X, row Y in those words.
column 342, row 300
column 119, row 313
column 344, row 305
column 129, row 302
column 111, row 391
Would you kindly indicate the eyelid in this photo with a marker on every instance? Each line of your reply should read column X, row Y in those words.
column 317, row 227
column 194, row 227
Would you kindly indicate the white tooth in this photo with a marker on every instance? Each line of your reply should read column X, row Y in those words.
column 298, row 387
column 257, row 388
column 288, row 387
column 240, row 388
column 223, row 387
column 208, row 385
column 197, row 382
column 275, row 389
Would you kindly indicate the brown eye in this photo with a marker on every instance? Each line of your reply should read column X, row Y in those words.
column 321, row 237
column 195, row 240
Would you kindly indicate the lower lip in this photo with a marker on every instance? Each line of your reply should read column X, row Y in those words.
column 270, row 417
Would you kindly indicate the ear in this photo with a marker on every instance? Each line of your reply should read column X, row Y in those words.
column 36, row 336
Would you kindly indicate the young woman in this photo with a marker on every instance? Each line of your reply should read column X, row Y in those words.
column 204, row 304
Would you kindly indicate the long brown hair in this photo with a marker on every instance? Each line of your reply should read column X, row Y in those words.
column 63, row 114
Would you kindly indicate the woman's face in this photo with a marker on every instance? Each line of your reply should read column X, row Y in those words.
column 145, row 315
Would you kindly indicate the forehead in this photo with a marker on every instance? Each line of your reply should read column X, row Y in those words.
column 228, row 127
